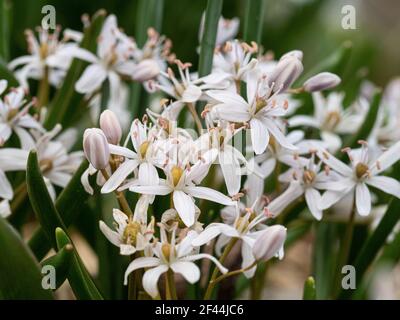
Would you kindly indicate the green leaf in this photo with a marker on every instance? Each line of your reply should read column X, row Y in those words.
column 5, row 11
column 309, row 292
column 149, row 14
column 20, row 276
column 334, row 63
column 61, row 262
column 378, row 238
column 67, row 101
column 6, row 74
column 368, row 123
column 40, row 199
column 69, row 204
column 79, row 278
column 207, row 46
column 253, row 22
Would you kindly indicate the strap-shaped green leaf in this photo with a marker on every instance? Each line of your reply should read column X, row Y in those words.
column 67, row 101
column 61, row 262
column 6, row 74
column 253, row 22
column 40, row 199
column 5, row 11
column 79, row 278
column 213, row 13
column 20, row 276
column 69, row 204
column 309, row 292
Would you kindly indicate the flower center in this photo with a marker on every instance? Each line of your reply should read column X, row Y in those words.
column 130, row 232
column 143, row 149
column 12, row 113
column 260, row 103
column 43, row 51
column 332, row 120
column 308, row 176
column 242, row 224
column 45, row 165
column 176, row 173
column 361, row 170
column 166, row 250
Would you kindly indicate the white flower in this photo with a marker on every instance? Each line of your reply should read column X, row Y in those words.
column 304, row 178
column 48, row 53
column 362, row 173
column 112, row 60
column 181, row 182
column 14, row 116
column 169, row 255
column 132, row 234
column 331, row 118
column 244, row 228
column 227, row 29
column 260, row 111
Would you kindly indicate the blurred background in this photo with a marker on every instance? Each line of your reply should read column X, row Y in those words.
column 314, row 26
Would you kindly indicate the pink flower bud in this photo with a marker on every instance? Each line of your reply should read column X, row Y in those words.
column 269, row 242
column 95, row 147
column 110, row 125
column 294, row 53
column 321, row 81
column 145, row 70
column 285, row 73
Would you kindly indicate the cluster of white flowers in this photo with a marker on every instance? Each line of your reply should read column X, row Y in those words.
column 248, row 130
column 245, row 93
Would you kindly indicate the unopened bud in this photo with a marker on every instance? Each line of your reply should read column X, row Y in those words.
column 285, row 73
column 145, row 70
column 111, row 127
column 95, row 147
column 321, row 81
column 294, row 53
column 269, row 243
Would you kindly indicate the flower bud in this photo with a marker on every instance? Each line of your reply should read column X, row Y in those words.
column 110, row 126
column 269, row 242
column 285, row 73
column 294, row 53
column 145, row 70
column 321, row 81
column 95, row 147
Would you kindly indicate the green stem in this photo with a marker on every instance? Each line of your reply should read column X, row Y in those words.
column 234, row 273
column 213, row 13
column 196, row 118
column 44, row 89
column 344, row 253
column 253, row 23
column 215, row 273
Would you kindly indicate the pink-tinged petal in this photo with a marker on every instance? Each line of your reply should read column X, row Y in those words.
column 209, row 194
column 259, row 136
column 286, row 198
column 119, row 176
column 247, row 260
column 386, row 184
column 334, row 163
column 207, row 235
column 184, row 205
column 139, row 263
column 150, row 279
column 363, row 199
column 278, row 134
column 111, row 235
column 187, row 269
column 5, row 132
column 313, row 199
column 91, row 79
column 387, row 158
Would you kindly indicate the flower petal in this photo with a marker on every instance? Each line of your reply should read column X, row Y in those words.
column 187, row 269
column 118, row 177
column 259, row 136
column 386, row 184
column 91, row 79
column 139, row 263
column 184, row 205
column 313, row 199
column 150, row 279
column 209, row 194
column 363, row 199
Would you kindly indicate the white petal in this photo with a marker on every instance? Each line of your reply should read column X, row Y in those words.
column 334, row 163
column 191, row 94
column 211, row 232
column 187, row 269
column 329, row 198
column 6, row 190
column 119, row 176
column 313, row 199
column 247, row 260
column 259, row 136
column 148, row 174
column 303, row 121
column 363, row 199
column 160, row 190
column 184, row 205
column 91, row 79
column 111, row 235
column 231, row 171
column 278, row 134
column 206, row 256
column 5, row 209
column 26, row 140
column 286, row 198
column 386, row 184
column 139, row 263
column 389, row 157
column 210, row 194
column 122, row 151
column 150, row 279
